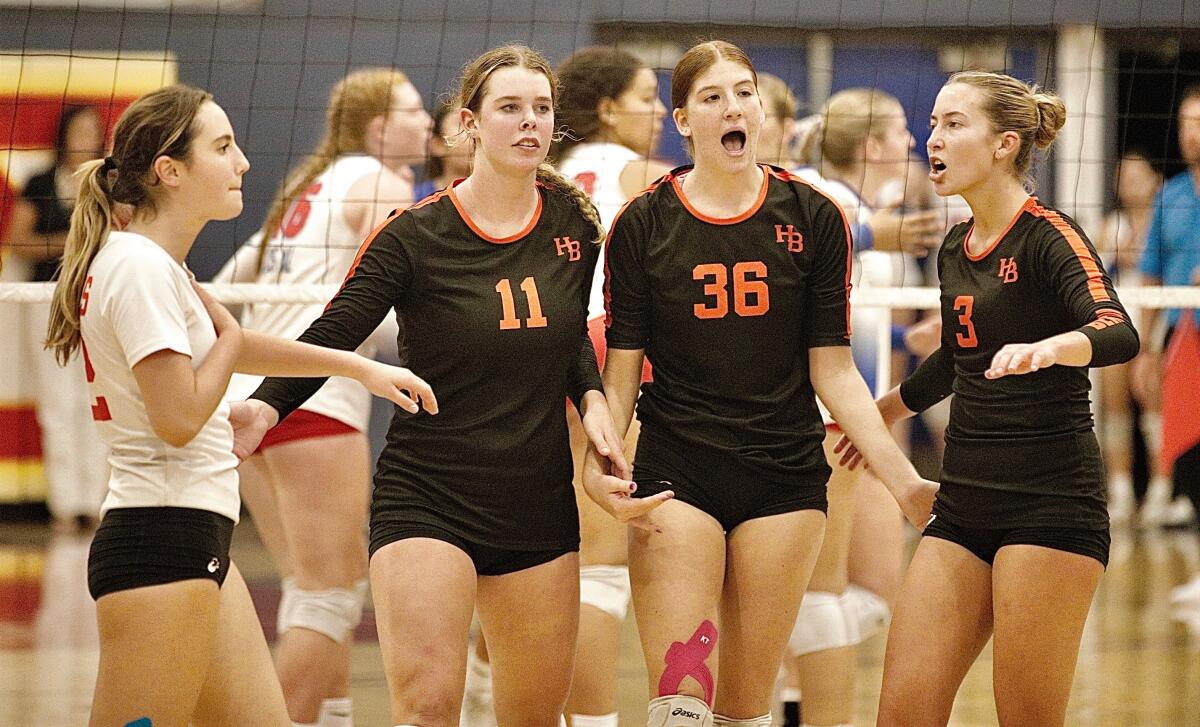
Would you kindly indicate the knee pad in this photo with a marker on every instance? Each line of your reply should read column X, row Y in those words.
column 594, row 720
column 336, row 712
column 823, row 623
column 869, row 608
column 333, row 612
column 605, row 587
column 763, row 721
column 677, row 710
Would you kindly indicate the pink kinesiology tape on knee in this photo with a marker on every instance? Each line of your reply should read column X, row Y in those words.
column 687, row 660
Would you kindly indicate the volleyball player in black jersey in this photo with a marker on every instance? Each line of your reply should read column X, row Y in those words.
column 734, row 279
column 1019, row 536
column 490, row 279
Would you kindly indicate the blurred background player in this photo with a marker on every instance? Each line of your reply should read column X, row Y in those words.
column 307, row 485
column 449, row 157
column 74, row 458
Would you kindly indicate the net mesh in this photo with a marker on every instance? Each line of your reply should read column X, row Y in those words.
column 1122, row 70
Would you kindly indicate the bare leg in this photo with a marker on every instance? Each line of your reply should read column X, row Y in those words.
column 531, row 618
column 943, row 619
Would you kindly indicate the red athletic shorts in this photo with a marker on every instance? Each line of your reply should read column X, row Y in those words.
column 302, row 424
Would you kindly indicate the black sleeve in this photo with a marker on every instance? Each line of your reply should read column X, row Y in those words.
column 1072, row 268
column 584, row 374
column 930, row 383
column 626, row 285
column 828, row 314
column 376, row 281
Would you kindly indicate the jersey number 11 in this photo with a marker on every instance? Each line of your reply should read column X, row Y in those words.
column 509, row 307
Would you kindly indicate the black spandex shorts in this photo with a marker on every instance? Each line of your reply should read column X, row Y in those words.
column 489, row 561
column 149, row 546
column 984, row 543
column 719, row 484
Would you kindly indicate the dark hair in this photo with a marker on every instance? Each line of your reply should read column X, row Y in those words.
column 69, row 113
column 1189, row 92
column 587, row 76
column 160, row 123
column 434, row 166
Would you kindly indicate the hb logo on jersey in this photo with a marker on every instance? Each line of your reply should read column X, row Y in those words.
column 790, row 237
column 567, row 246
column 1008, row 269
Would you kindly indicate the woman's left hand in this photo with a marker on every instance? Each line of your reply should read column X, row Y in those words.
column 1022, row 358
column 602, row 433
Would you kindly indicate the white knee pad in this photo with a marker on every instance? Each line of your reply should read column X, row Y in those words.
column 333, row 612
column 869, row 608
column 677, row 710
column 605, row 587
column 763, row 721
column 336, row 712
column 823, row 623
column 594, row 720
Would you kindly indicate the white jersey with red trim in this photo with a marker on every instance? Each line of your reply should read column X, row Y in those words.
column 314, row 244
column 137, row 301
column 596, row 168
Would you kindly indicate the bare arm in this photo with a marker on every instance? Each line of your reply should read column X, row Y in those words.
column 179, row 400
column 638, row 174
column 841, row 387
column 373, row 197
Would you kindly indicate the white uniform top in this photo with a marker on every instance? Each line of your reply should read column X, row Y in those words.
column 321, row 249
column 596, row 168
column 138, row 301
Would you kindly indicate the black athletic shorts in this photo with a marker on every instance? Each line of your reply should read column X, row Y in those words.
column 719, row 484
column 149, row 546
column 488, row 560
column 984, row 541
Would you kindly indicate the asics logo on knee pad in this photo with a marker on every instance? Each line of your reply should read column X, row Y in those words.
column 681, row 712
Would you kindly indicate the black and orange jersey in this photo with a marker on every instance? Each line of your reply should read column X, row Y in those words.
column 1040, row 278
column 498, row 328
column 726, row 310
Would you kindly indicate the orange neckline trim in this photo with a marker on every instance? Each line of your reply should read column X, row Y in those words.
column 1027, row 207
column 537, row 215
column 762, row 195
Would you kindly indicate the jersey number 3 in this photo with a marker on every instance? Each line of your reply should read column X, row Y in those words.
column 100, row 409
column 966, row 304
column 748, row 283
column 508, row 306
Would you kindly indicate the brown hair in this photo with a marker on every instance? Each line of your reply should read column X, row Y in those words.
column 587, row 76
column 160, row 123
column 1013, row 105
column 472, row 87
column 846, row 120
column 354, row 101
column 698, row 59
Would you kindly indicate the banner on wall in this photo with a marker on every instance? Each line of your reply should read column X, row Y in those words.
column 34, row 88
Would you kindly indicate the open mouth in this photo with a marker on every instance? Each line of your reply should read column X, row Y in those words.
column 734, row 141
column 528, row 144
column 937, row 165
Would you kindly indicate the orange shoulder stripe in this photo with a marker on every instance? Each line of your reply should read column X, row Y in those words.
column 1094, row 277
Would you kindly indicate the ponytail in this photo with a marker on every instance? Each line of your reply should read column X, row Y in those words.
column 550, row 178
column 90, row 224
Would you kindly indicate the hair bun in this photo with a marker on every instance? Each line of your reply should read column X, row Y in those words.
column 1052, row 114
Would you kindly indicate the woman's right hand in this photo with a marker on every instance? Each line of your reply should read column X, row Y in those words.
column 223, row 321
column 400, row 386
column 615, row 495
column 915, row 498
